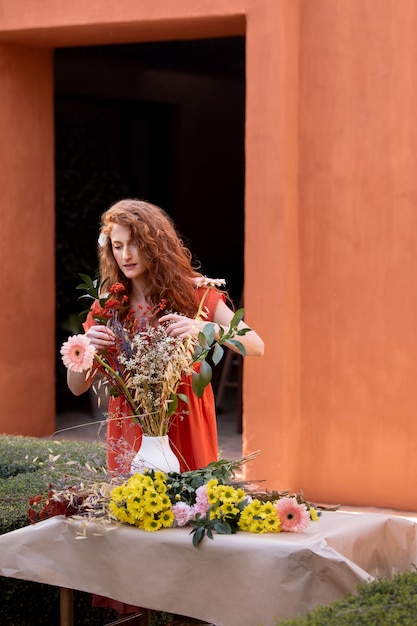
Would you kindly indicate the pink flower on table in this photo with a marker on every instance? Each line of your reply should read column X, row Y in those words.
column 182, row 512
column 201, row 501
column 294, row 516
column 78, row 353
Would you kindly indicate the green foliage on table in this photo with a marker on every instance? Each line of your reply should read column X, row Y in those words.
column 378, row 603
column 205, row 525
column 186, row 484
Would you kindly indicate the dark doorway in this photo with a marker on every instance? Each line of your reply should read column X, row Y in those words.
column 159, row 121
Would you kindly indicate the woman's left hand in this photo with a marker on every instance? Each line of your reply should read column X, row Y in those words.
column 181, row 326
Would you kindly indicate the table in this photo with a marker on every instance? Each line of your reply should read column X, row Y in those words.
column 232, row 580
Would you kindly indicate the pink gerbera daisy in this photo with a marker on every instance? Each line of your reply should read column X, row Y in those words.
column 78, row 353
column 294, row 517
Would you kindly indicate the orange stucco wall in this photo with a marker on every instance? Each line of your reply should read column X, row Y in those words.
column 330, row 263
column 27, row 247
column 358, row 262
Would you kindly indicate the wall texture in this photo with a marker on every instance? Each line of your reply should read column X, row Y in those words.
column 26, row 241
column 358, row 263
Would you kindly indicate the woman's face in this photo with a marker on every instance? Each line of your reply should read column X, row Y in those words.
column 126, row 253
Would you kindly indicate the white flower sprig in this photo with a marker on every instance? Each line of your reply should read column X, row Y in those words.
column 204, row 281
column 102, row 240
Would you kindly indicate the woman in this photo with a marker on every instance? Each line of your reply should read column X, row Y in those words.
column 140, row 248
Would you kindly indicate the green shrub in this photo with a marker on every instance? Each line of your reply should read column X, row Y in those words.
column 29, row 465
column 378, row 603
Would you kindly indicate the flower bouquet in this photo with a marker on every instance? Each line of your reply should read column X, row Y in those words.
column 209, row 500
column 146, row 365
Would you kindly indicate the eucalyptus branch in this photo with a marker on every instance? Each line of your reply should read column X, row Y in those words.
column 204, row 526
column 93, row 290
column 206, row 344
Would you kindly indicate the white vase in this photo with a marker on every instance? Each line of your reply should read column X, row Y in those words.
column 155, row 453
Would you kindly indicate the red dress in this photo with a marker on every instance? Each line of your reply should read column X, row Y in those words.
column 193, row 431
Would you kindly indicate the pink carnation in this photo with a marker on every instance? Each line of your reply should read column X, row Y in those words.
column 201, row 496
column 78, row 353
column 294, row 517
column 201, row 501
column 182, row 512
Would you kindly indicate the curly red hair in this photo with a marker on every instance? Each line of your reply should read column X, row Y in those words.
column 171, row 276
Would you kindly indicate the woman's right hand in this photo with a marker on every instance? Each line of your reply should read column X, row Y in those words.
column 101, row 337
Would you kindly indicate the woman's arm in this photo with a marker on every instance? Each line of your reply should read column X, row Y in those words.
column 185, row 327
column 251, row 341
column 78, row 382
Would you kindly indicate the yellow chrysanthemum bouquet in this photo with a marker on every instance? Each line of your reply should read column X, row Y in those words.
column 204, row 500
column 209, row 500
column 143, row 502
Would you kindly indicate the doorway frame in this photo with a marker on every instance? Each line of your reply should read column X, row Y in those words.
column 271, row 415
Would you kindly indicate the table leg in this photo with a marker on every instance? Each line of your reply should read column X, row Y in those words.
column 66, row 606
column 146, row 617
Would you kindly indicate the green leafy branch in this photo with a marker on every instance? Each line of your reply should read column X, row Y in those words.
column 204, row 525
column 207, row 343
column 93, row 289
column 185, row 485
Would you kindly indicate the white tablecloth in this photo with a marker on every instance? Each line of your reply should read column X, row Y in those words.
column 232, row 580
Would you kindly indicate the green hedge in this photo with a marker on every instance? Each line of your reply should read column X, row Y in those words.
column 378, row 603
column 27, row 467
